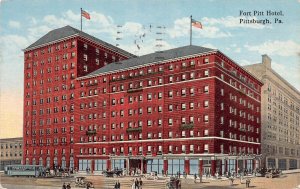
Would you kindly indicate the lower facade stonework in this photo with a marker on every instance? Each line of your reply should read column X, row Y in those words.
column 282, row 163
column 169, row 165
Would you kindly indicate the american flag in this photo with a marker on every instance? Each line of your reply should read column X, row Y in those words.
column 196, row 24
column 85, row 14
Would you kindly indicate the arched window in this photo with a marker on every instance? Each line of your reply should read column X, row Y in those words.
column 48, row 162
column 63, row 162
column 27, row 161
column 55, row 161
column 40, row 161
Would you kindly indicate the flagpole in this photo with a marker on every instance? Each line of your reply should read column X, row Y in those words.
column 191, row 31
column 81, row 19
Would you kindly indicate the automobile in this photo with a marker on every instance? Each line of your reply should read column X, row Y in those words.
column 81, row 182
column 272, row 173
column 113, row 173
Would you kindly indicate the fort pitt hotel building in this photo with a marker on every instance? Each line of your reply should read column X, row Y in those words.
column 89, row 104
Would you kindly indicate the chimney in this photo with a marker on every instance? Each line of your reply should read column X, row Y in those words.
column 266, row 60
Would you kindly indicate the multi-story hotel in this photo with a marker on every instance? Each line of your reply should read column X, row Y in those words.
column 280, row 118
column 11, row 151
column 51, row 66
column 189, row 109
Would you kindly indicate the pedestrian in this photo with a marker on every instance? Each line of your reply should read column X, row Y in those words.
column 195, row 178
column 68, row 186
column 64, row 186
column 140, row 183
column 88, row 185
column 136, row 184
column 119, row 185
column 248, row 183
column 116, row 186
column 177, row 183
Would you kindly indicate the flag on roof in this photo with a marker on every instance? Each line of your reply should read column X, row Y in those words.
column 85, row 14
column 196, row 24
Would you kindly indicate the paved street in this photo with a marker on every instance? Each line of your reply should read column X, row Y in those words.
column 287, row 181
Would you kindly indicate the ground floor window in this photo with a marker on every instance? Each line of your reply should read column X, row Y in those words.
column 41, row 161
column 71, row 162
column 231, row 165
column 155, row 165
column 63, row 162
column 223, row 166
column 249, row 165
column 271, row 163
column 194, row 166
column 175, row 166
column 100, row 164
column 118, row 163
column 48, row 162
column 27, row 161
column 293, row 164
column 282, row 164
column 33, row 161
column 84, row 164
column 55, row 161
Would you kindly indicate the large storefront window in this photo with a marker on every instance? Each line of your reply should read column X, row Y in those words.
column 293, row 164
column 84, row 164
column 231, row 165
column 118, row 163
column 155, row 165
column 175, row 166
column 249, row 165
column 282, row 164
column 194, row 166
column 271, row 163
column 100, row 164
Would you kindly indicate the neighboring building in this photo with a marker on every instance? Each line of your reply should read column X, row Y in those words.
column 187, row 109
column 51, row 66
column 11, row 151
column 280, row 118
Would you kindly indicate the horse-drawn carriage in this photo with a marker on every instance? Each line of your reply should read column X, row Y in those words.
column 83, row 183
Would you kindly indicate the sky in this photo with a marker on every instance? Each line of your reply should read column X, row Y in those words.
column 136, row 23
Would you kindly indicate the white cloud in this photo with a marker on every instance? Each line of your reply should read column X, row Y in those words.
column 237, row 50
column 208, row 45
column 281, row 48
column 182, row 28
column 290, row 73
column 14, row 24
column 231, row 22
column 245, row 62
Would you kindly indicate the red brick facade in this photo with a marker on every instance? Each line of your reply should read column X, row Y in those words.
column 49, row 96
column 169, row 111
column 195, row 114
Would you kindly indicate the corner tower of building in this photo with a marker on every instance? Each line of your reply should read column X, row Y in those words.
column 51, row 65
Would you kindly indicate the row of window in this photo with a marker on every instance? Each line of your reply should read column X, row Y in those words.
column 47, row 152
column 6, row 146
column 48, row 131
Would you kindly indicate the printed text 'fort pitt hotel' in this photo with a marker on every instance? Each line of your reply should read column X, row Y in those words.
column 90, row 104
